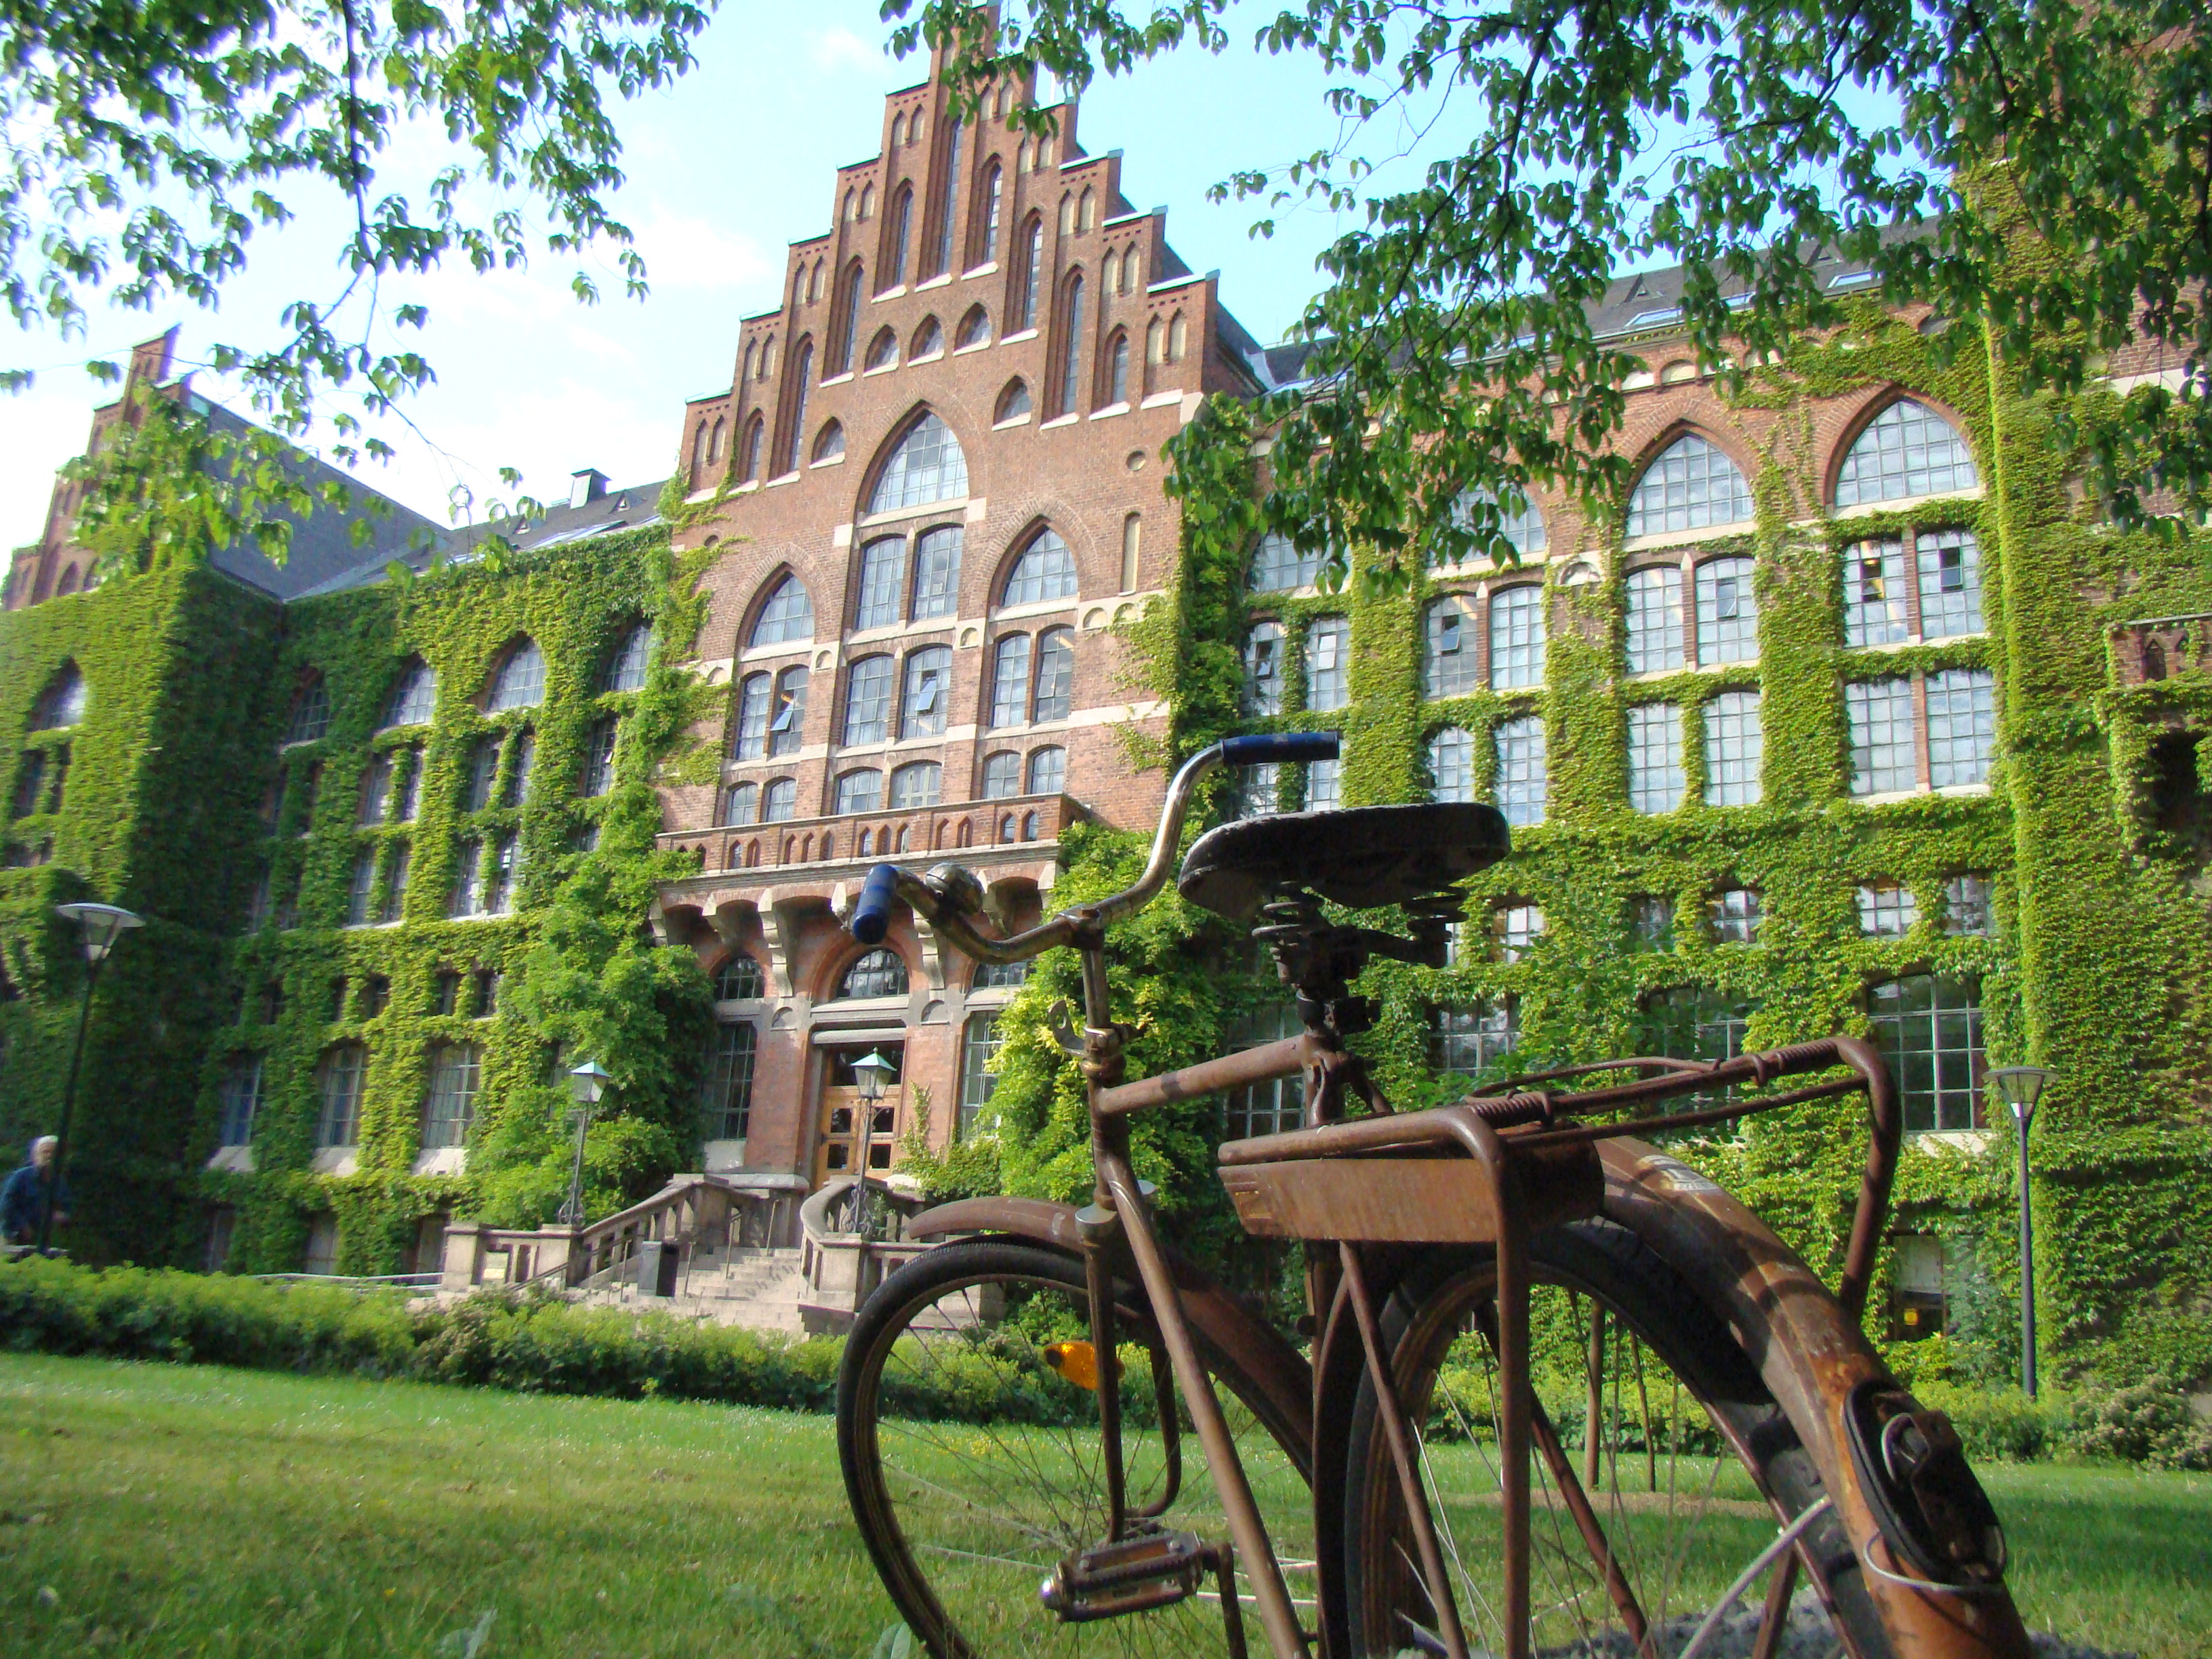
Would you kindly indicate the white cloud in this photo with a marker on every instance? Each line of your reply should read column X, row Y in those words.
column 839, row 48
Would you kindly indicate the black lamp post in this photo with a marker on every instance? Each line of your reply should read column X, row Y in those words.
column 2019, row 1087
column 102, row 925
column 586, row 1082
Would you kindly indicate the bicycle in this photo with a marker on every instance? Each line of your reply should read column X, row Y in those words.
column 1013, row 1405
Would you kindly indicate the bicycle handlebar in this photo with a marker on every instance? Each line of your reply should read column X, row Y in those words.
column 871, row 913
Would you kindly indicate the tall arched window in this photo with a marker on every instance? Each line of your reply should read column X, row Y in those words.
column 1263, row 670
column 927, row 465
column 520, row 682
column 780, row 801
column 1690, row 486
column 741, row 805
column 1086, row 211
column 974, row 329
column 1045, row 570
column 941, row 258
column 1013, row 403
column 986, row 218
column 721, row 430
column 1516, row 637
column 788, row 616
column 1907, row 450
column 928, row 339
column 901, row 230
column 847, row 323
column 937, row 572
column 829, row 443
column 882, row 581
column 1117, row 368
column 1521, row 525
column 725, row 1097
column 880, row 973
column 1030, row 275
column 1009, row 681
column 883, row 351
column 787, row 715
column 927, row 694
column 802, row 377
column 748, row 738
column 1055, row 675
column 63, row 702
column 1451, row 765
column 311, row 711
column 1447, row 667
column 1071, row 353
column 415, row 697
column 868, row 700
column 750, row 457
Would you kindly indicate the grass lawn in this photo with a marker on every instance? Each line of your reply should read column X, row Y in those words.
column 174, row 1510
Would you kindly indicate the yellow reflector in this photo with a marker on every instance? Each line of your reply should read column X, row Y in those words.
column 1076, row 1361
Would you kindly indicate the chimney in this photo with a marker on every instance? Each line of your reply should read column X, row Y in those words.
column 587, row 486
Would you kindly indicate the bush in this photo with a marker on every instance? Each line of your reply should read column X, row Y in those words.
column 2151, row 1422
column 1999, row 1424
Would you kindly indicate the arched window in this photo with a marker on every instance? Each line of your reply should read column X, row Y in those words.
column 780, row 801
column 739, row 979
column 928, row 339
column 725, row 1097
column 898, row 130
column 880, row 973
column 1067, row 213
column 882, row 579
column 1131, row 271
column 1521, row 525
column 941, row 255
column 926, row 466
column 918, row 784
column 67, row 583
column 802, row 376
column 626, row 668
column 1009, row 681
column 749, row 739
column 1045, row 570
column 1263, row 670
column 788, row 616
column 1690, row 486
column 1030, row 275
column 748, row 459
column 1449, row 665
column 752, row 350
column 1055, row 675
column 1002, row 775
column 902, row 232
column 1132, row 542
column 1071, row 356
column 867, row 201
column 714, row 440
column 741, row 805
column 974, row 329
column 859, row 791
column 1156, row 341
column 986, row 220
column 868, row 700
column 520, row 682
column 1117, row 368
column 830, row 442
column 1047, row 770
column 1279, row 567
column 415, row 696
column 928, row 692
column 1086, row 211
column 1176, row 341
column 1907, row 450
column 1013, row 403
column 937, row 572
column 883, row 351
column 1516, row 637
column 311, row 711
column 63, row 702
column 786, row 716
column 698, row 452
column 847, row 323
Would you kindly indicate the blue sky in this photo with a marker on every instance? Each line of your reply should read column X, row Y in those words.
column 724, row 169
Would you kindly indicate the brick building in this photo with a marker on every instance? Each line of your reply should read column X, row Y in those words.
column 937, row 472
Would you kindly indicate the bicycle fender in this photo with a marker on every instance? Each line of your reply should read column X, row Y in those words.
column 1280, row 1391
column 1818, row 1359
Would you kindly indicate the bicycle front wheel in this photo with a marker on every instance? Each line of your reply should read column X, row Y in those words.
column 1660, row 1461
column 974, row 1464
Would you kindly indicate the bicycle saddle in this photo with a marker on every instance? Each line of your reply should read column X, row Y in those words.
column 1365, row 858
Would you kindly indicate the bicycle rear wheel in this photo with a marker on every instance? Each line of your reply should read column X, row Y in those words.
column 1656, row 1418
column 973, row 1462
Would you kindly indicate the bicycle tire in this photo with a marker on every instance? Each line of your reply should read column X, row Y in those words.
column 919, row 1536
column 1606, row 1265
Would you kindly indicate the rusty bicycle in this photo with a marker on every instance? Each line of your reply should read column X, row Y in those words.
column 1555, row 1393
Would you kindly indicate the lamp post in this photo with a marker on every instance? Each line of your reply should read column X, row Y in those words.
column 102, row 925
column 2019, row 1087
column 586, row 1082
column 871, row 1072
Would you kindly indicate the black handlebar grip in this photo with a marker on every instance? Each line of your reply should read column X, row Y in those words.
column 1280, row 746
column 871, row 916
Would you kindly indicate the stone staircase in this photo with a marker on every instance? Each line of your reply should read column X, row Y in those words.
column 758, row 1288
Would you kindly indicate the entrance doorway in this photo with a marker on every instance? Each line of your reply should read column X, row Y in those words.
column 847, row 1136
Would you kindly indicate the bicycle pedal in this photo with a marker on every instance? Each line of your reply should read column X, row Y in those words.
column 1132, row 1576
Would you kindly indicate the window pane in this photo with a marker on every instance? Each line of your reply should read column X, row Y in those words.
column 937, row 573
column 979, row 1045
column 1516, row 927
column 883, row 575
column 338, row 1082
column 1874, row 594
column 1886, row 910
column 916, row 784
column 363, row 886
column 1735, row 746
column 1908, row 450
column 1055, row 674
column 1451, row 765
column 1047, row 771
column 860, row 791
column 521, row 682
column 1929, row 1029
column 1962, row 727
column 1002, row 777
column 1950, row 584
column 1655, row 619
column 788, row 614
column 1263, row 670
column 739, row 979
column 868, row 703
column 1516, row 637
column 627, row 671
column 1010, row 683
column 1881, row 715
column 1966, row 907
column 1521, row 524
column 1471, row 1043
column 1655, row 781
column 1735, row 914
column 878, row 973
column 311, row 714
column 1279, row 1103
column 1046, row 571
column 1687, row 1022
column 786, row 719
column 1278, row 567
column 414, row 699
column 1690, row 486
column 1520, row 779
column 240, row 1095
column 928, row 692
column 1728, row 612
column 750, row 742
column 599, row 756
column 1329, row 650
column 1447, row 667
column 1259, row 790
column 926, row 466
column 780, row 801
column 725, row 1097
column 454, row 1069
column 1324, row 785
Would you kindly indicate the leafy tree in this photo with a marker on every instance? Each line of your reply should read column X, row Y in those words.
column 2039, row 168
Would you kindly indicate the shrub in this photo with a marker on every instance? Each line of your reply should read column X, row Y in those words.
column 1999, row 1424
column 2150, row 1422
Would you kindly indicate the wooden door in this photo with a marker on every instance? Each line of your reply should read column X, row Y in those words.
column 838, row 1138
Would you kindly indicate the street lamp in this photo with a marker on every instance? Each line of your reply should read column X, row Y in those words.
column 870, row 1073
column 102, row 925
column 586, row 1082
column 2019, row 1087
